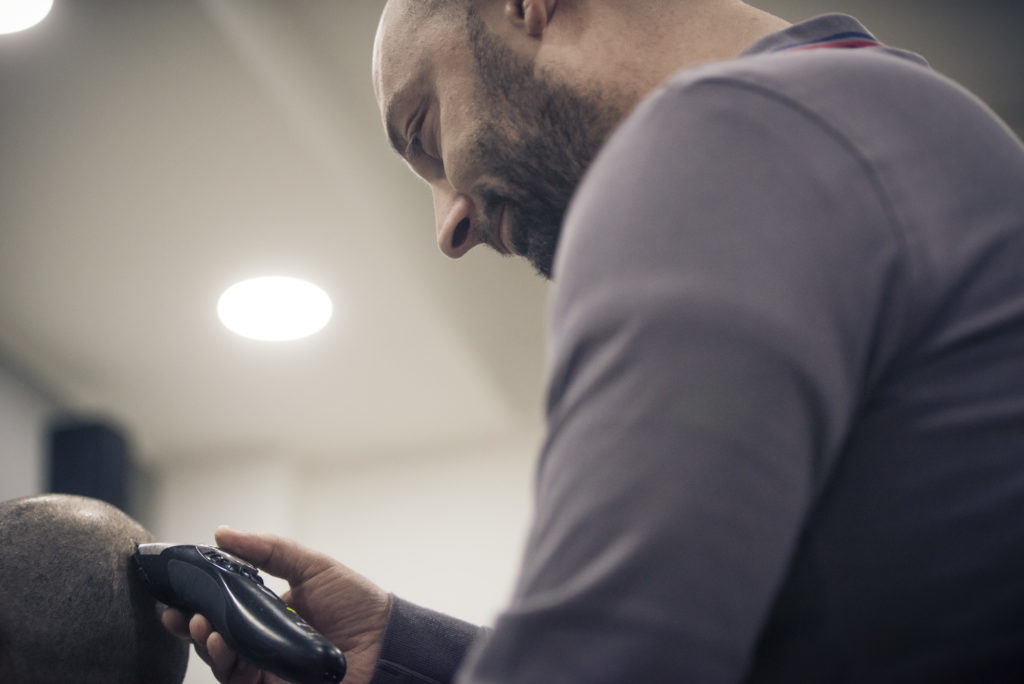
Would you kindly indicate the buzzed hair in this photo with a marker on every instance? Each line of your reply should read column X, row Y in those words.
column 423, row 8
column 71, row 608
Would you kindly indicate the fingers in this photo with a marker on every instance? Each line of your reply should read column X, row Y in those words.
column 175, row 622
column 224, row 663
column 279, row 556
column 200, row 630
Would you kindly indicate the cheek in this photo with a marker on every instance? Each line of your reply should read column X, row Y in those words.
column 479, row 145
column 462, row 162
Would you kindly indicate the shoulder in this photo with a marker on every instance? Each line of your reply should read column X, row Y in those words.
column 725, row 153
column 858, row 94
column 819, row 79
column 726, row 197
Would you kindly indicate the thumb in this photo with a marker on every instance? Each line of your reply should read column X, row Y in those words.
column 279, row 556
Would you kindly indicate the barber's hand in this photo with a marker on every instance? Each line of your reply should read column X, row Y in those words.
column 342, row 605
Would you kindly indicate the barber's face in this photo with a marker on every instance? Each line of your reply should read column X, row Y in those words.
column 502, row 144
column 537, row 137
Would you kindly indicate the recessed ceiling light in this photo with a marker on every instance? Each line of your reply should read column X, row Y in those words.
column 274, row 308
column 18, row 15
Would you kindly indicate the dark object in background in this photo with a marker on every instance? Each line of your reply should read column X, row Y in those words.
column 90, row 459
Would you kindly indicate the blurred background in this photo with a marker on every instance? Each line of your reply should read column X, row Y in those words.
column 154, row 152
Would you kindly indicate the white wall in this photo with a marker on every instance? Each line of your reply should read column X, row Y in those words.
column 24, row 415
column 442, row 527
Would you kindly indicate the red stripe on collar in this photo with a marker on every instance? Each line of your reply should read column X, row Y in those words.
column 859, row 43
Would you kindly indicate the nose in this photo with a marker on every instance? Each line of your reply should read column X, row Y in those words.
column 456, row 222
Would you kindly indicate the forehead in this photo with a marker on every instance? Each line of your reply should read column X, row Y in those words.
column 404, row 51
column 414, row 51
column 399, row 71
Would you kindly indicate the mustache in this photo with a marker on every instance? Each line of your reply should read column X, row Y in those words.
column 537, row 182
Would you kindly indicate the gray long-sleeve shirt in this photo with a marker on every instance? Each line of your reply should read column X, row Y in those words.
column 786, row 404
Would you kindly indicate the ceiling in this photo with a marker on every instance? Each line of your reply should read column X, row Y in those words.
column 152, row 153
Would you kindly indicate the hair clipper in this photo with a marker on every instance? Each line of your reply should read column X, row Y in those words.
column 253, row 620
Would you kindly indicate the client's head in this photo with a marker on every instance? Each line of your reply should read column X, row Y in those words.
column 71, row 609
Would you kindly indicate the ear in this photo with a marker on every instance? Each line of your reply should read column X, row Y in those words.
column 531, row 15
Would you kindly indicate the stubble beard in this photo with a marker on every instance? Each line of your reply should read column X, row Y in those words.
column 539, row 142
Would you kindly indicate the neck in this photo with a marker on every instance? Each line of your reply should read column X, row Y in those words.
column 656, row 39
column 721, row 29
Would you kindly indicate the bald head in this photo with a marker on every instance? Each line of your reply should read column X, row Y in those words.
column 71, row 609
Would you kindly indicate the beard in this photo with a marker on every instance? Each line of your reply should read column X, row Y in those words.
column 539, row 141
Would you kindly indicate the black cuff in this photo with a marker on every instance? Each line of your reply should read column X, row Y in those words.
column 422, row 646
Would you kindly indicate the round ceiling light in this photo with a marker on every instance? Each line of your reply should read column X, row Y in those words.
column 18, row 15
column 274, row 308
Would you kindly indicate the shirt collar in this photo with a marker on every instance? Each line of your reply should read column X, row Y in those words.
column 829, row 30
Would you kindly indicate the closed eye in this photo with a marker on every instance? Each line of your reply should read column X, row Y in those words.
column 420, row 156
column 413, row 145
column 415, row 149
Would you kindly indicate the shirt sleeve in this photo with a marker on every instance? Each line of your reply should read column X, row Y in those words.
column 422, row 646
column 721, row 281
